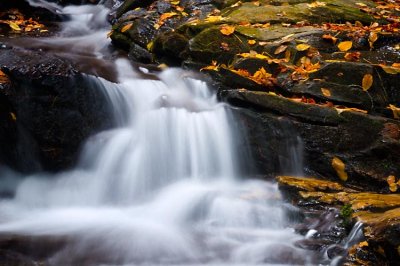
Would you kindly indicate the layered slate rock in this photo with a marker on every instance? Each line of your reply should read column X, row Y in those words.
column 379, row 214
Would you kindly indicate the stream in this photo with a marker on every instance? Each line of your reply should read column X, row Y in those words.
column 166, row 186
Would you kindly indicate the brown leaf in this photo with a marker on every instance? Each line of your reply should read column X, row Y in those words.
column 329, row 38
column 367, row 82
column 354, row 56
column 345, row 46
column 227, row 30
column 224, row 46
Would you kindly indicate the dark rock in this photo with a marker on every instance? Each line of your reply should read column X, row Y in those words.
column 170, row 47
column 49, row 110
column 139, row 54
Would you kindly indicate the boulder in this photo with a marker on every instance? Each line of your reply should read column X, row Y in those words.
column 48, row 109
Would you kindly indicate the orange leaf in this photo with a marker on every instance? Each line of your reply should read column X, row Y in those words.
column 391, row 179
column 345, row 46
column 227, row 30
column 251, row 42
column 126, row 27
column 326, row 92
column 367, row 82
column 339, row 167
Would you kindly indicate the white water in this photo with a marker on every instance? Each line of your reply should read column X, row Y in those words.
column 161, row 189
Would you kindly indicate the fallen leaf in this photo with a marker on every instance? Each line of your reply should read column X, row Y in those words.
column 395, row 110
column 227, row 30
column 393, row 187
column 126, row 27
column 316, row 4
column 224, row 46
column 391, row 179
column 345, row 46
column 302, row 47
column 345, row 109
column 251, row 42
column 280, row 49
column 354, row 56
column 326, row 92
column 213, row 66
column 363, row 244
column 149, row 46
column 212, row 19
column 13, row 116
column 373, row 37
column 14, row 26
column 329, row 38
column 367, row 82
column 339, row 167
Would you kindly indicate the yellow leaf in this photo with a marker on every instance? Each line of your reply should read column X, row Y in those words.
column 326, row 92
column 109, row 34
column 175, row 2
column 302, row 47
column 227, row 30
column 395, row 110
column 367, row 82
column 167, row 15
column 345, row 46
column 251, row 42
column 149, row 46
column 393, row 187
column 126, row 27
column 339, row 167
column 363, row 244
column 373, row 37
column 316, row 4
column 212, row 19
column 14, row 26
column 341, row 110
column 13, row 116
column 280, row 49
column 390, row 69
column 391, row 179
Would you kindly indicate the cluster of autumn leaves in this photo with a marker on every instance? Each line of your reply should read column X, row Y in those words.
column 18, row 24
column 306, row 65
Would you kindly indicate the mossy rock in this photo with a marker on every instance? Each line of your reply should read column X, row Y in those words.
column 211, row 45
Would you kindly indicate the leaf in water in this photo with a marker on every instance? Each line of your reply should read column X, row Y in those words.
column 395, row 110
column 280, row 49
column 345, row 46
column 227, row 30
column 339, row 167
column 326, row 92
column 126, row 27
column 14, row 26
column 251, row 42
column 367, row 82
column 302, row 47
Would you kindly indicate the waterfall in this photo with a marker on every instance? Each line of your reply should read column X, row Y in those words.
column 161, row 188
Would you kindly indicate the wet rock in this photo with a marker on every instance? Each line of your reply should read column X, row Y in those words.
column 49, row 110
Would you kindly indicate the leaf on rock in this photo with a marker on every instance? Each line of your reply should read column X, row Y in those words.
column 393, row 70
column 395, row 110
column 367, row 82
column 213, row 19
column 302, row 47
column 345, row 46
column 339, row 167
column 251, row 42
column 13, row 116
column 329, row 38
column 280, row 49
column 316, row 4
column 227, row 30
column 372, row 38
column 354, row 56
column 14, row 26
column 391, row 179
column 326, row 92
column 126, row 27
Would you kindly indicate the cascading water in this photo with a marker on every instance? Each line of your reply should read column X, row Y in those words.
column 163, row 188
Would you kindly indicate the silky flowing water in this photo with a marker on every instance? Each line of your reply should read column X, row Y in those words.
column 164, row 187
